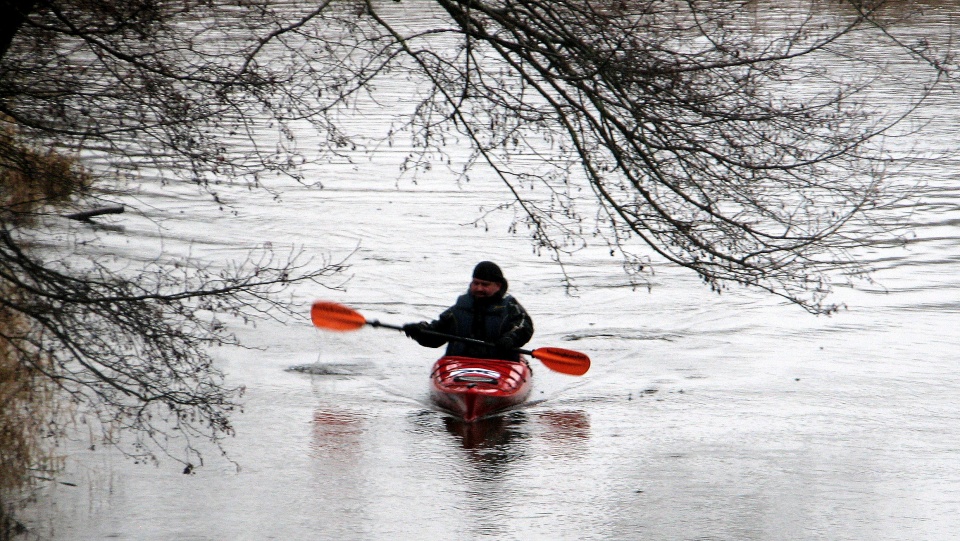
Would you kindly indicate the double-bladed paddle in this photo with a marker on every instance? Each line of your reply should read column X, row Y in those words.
column 337, row 317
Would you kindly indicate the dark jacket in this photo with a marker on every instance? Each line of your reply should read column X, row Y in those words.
column 487, row 320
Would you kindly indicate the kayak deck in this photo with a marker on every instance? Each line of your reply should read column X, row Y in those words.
column 473, row 388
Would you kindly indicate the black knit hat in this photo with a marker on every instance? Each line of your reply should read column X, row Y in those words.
column 489, row 272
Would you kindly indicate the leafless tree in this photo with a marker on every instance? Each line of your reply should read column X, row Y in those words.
column 133, row 349
column 131, row 85
column 723, row 137
column 681, row 118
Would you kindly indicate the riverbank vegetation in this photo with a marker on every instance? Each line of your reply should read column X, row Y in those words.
column 30, row 180
column 27, row 402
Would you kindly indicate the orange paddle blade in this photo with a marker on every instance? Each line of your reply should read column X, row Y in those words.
column 565, row 361
column 335, row 317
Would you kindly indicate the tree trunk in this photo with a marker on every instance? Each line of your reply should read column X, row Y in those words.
column 13, row 13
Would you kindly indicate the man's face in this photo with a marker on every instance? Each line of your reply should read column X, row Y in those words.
column 482, row 289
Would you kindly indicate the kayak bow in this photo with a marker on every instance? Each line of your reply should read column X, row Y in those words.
column 475, row 388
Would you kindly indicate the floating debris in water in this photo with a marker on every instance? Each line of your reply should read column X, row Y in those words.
column 332, row 369
column 621, row 334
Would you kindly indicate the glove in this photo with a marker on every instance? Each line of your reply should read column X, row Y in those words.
column 504, row 342
column 414, row 330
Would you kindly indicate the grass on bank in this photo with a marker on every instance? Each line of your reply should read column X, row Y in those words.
column 32, row 181
column 32, row 178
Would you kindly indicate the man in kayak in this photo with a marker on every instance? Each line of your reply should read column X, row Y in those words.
column 484, row 313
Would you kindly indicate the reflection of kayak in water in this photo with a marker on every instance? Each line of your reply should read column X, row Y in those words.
column 487, row 433
column 564, row 433
column 474, row 388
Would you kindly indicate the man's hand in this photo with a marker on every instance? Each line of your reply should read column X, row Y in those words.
column 504, row 342
column 414, row 330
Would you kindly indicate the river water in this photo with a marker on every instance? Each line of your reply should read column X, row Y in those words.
column 704, row 417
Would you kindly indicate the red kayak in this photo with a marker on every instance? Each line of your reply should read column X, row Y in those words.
column 475, row 388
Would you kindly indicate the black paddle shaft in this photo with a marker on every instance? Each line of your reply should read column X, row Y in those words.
column 376, row 323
